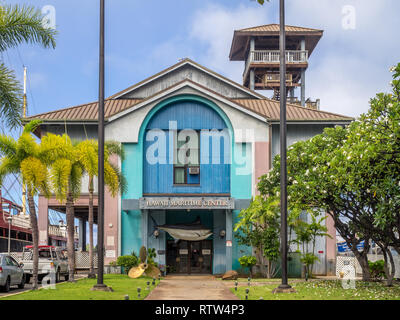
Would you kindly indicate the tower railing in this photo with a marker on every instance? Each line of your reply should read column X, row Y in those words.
column 273, row 56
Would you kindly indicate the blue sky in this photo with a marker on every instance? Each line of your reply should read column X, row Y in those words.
column 348, row 67
column 143, row 37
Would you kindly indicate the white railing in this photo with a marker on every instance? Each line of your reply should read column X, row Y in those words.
column 60, row 232
column 273, row 56
column 20, row 221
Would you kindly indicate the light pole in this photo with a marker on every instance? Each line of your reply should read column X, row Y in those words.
column 284, row 286
column 9, row 219
column 100, row 212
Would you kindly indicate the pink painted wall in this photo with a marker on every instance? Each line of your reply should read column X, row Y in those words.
column 111, row 223
column 261, row 162
column 43, row 220
column 331, row 246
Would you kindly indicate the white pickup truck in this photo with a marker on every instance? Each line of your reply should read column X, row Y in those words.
column 52, row 261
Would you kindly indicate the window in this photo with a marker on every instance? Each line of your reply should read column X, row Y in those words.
column 186, row 155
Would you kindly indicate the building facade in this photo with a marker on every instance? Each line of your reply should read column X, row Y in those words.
column 195, row 145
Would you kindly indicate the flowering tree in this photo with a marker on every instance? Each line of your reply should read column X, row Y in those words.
column 353, row 174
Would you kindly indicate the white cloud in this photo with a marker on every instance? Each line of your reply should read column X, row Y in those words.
column 214, row 27
column 347, row 68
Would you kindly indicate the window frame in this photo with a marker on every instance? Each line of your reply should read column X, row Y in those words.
column 185, row 166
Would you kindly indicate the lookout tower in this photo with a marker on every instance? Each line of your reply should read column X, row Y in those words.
column 258, row 47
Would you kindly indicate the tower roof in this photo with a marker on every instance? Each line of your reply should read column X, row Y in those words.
column 274, row 28
column 241, row 38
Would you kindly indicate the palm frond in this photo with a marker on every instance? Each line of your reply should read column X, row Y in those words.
column 76, row 180
column 53, row 147
column 34, row 173
column 10, row 98
column 32, row 126
column 8, row 145
column 111, row 178
column 24, row 24
column 7, row 166
column 122, row 182
column 114, row 148
column 88, row 156
column 59, row 177
column 27, row 146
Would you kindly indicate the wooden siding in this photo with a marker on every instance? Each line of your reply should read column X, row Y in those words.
column 219, row 246
column 214, row 178
column 295, row 132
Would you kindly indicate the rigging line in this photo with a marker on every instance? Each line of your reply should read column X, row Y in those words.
column 20, row 57
column 12, row 188
column 31, row 94
column 11, row 197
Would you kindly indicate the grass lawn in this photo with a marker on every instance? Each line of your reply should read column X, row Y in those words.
column 121, row 284
column 323, row 290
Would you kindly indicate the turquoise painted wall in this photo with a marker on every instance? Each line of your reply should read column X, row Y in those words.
column 131, row 235
column 241, row 182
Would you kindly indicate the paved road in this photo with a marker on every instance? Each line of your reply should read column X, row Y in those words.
column 191, row 288
column 14, row 289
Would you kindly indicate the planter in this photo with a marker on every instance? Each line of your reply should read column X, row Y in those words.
column 112, row 269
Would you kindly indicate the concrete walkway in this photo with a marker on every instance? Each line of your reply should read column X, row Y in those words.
column 191, row 288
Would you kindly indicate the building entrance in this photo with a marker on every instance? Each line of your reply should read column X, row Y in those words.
column 189, row 257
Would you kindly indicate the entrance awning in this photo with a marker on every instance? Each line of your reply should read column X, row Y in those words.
column 190, row 232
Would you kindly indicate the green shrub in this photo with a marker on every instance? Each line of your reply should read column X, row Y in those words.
column 127, row 262
column 151, row 254
column 248, row 262
column 377, row 269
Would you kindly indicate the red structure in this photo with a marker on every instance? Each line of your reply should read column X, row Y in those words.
column 20, row 231
column 20, row 228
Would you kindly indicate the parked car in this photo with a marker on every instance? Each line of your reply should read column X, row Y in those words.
column 51, row 260
column 11, row 273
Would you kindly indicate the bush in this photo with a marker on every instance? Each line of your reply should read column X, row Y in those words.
column 127, row 262
column 248, row 262
column 377, row 269
column 151, row 254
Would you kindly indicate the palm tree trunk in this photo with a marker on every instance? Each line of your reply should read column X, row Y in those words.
column 70, row 236
column 35, row 239
column 91, row 221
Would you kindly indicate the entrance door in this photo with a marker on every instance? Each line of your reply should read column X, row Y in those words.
column 189, row 256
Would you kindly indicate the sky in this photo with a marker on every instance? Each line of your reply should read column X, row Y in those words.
column 349, row 66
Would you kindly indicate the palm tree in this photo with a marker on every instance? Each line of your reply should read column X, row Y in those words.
column 24, row 156
column 88, row 156
column 65, row 175
column 18, row 24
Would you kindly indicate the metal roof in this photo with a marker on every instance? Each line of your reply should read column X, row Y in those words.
column 240, row 42
column 270, row 109
column 276, row 28
column 86, row 112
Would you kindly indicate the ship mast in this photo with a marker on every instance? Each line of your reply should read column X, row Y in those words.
column 24, row 116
